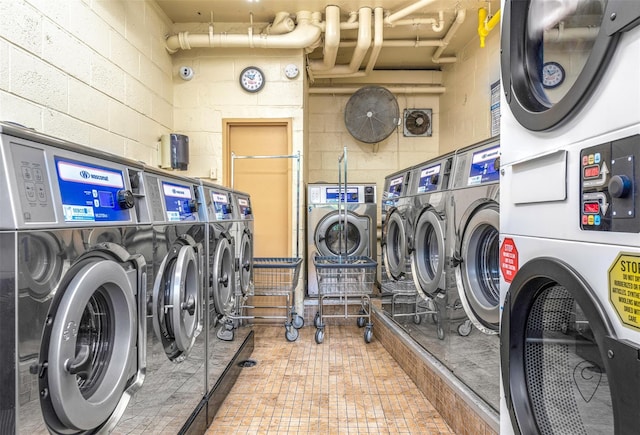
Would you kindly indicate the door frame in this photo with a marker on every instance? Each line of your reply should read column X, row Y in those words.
column 227, row 124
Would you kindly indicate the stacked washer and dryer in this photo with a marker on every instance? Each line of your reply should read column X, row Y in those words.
column 570, row 217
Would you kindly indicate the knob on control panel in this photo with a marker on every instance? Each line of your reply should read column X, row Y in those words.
column 125, row 199
column 619, row 186
column 193, row 205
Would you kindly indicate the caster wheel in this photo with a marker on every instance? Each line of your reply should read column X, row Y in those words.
column 316, row 320
column 440, row 333
column 368, row 335
column 434, row 318
column 291, row 333
column 319, row 336
column 361, row 322
column 464, row 329
column 297, row 321
column 417, row 319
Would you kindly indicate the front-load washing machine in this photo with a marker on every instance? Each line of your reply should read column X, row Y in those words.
column 326, row 233
column 474, row 214
column 430, row 252
column 70, row 301
column 570, row 217
column 175, row 306
column 243, row 232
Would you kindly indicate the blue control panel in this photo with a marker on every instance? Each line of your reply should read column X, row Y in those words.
column 89, row 192
column 221, row 205
column 395, row 187
column 332, row 194
column 485, row 166
column 177, row 200
column 429, row 178
column 245, row 208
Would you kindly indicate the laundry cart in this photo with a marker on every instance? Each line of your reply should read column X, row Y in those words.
column 345, row 280
column 278, row 277
column 405, row 301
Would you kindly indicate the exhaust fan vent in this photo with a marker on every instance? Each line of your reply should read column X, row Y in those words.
column 417, row 122
column 371, row 114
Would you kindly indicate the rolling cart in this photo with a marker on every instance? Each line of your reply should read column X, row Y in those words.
column 347, row 280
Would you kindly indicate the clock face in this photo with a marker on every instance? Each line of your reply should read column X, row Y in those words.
column 552, row 75
column 251, row 79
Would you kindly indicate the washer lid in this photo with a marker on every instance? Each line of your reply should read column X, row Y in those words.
column 554, row 53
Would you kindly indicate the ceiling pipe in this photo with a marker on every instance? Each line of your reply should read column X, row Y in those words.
column 282, row 23
column 486, row 25
column 436, row 25
column 392, row 18
column 394, row 89
column 331, row 40
column 304, row 35
column 457, row 22
column 378, row 37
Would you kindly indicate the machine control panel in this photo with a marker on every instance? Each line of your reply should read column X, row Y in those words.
column 333, row 194
column 608, row 185
column 180, row 204
column 485, row 166
column 429, row 178
column 33, row 185
column 395, row 187
column 221, row 205
column 244, row 207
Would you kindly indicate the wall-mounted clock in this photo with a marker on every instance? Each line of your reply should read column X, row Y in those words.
column 252, row 79
column 552, row 75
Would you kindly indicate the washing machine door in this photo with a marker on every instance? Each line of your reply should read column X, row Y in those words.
column 330, row 235
column 395, row 249
column 41, row 263
column 428, row 256
column 246, row 261
column 563, row 370
column 223, row 276
column 478, row 274
column 554, row 53
column 176, row 301
column 88, row 356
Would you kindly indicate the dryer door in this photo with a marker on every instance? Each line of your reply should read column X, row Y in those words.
column 246, row 261
column 554, row 53
column 563, row 370
column 88, row 355
column 223, row 277
column 330, row 235
column 395, row 244
column 428, row 256
column 478, row 274
column 176, row 300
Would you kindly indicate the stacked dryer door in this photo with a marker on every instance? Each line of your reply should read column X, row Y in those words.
column 570, row 218
column 74, row 345
column 474, row 217
column 176, row 304
column 328, row 235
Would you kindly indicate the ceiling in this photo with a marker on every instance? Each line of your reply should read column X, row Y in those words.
column 407, row 56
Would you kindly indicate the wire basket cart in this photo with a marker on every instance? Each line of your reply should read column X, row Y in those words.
column 347, row 281
column 277, row 276
column 405, row 301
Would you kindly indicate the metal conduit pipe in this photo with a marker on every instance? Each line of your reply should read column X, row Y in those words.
column 304, row 35
column 457, row 22
column 393, row 89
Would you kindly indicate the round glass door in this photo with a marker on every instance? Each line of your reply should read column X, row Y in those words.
column 554, row 54
column 555, row 364
column 176, row 301
column 478, row 276
column 427, row 258
column 90, row 346
column 246, row 262
column 395, row 247
column 330, row 235
column 223, row 277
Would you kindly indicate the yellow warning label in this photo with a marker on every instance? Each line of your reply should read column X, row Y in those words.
column 624, row 288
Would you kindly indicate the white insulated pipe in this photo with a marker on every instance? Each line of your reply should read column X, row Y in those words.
column 457, row 22
column 378, row 29
column 391, row 19
column 436, row 25
column 304, row 35
column 563, row 34
column 281, row 24
column 331, row 40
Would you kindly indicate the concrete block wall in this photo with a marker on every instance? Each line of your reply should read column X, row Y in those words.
column 93, row 72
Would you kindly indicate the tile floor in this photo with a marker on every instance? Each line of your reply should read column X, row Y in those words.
column 342, row 386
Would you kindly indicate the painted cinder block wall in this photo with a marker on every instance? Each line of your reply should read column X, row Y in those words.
column 92, row 72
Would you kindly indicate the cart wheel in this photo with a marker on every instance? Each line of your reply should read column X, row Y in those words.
column 417, row 319
column 361, row 322
column 440, row 333
column 316, row 320
column 291, row 333
column 368, row 334
column 464, row 329
column 297, row 321
column 434, row 318
column 319, row 335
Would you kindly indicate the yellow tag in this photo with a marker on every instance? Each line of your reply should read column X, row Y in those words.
column 624, row 289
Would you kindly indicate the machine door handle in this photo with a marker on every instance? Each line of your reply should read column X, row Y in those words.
column 81, row 364
column 189, row 306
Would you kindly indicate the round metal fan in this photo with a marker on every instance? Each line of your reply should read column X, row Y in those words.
column 417, row 122
column 371, row 114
